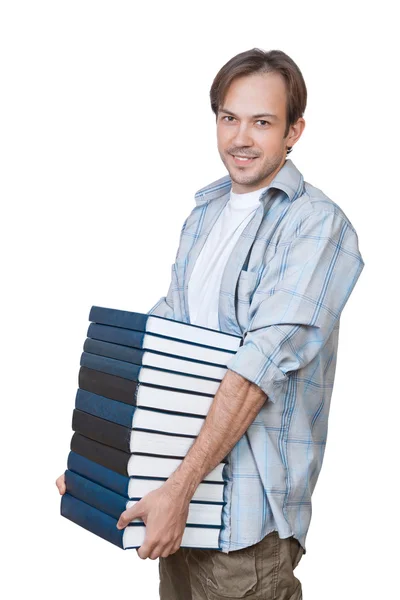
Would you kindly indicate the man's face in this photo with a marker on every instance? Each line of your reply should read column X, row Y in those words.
column 251, row 123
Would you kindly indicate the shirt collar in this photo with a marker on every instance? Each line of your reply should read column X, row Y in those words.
column 289, row 179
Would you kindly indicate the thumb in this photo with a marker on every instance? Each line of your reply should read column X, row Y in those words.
column 137, row 510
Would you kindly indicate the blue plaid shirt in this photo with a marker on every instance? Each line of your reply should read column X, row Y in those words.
column 284, row 287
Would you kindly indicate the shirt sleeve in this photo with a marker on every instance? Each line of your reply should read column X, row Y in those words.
column 298, row 300
column 164, row 307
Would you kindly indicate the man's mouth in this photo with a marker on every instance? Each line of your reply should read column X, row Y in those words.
column 242, row 160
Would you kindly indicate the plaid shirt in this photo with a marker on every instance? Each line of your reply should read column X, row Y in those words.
column 283, row 288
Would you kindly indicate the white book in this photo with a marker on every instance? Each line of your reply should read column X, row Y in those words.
column 199, row 514
column 159, row 443
column 165, row 327
column 173, row 400
column 157, row 360
column 193, row 537
column 136, row 487
column 134, row 465
column 133, row 372
column 205, row 492
column 156, row 343
column 170, row 363
column 166, row 423
column 164, row 467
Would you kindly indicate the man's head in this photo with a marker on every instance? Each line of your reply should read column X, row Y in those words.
column 259, row 99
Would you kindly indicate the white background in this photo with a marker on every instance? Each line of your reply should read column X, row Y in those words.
column 106, row 134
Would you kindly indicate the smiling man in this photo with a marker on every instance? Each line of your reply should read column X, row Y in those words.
column 253, row 147
column 266, row 255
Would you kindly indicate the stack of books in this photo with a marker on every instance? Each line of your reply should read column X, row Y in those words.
column 146, row 384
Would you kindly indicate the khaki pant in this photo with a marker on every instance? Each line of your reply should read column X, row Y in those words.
column 263, row 571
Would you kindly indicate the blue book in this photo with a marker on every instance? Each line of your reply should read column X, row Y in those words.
column 167, row 379
column 143, row 394
column 137, row 487
column 134, row 465
column 160, row 344
column 134, row 417
column 133, row 535
column 165, row 327
column 153, row 359
column 128, row 440
column 113, row 504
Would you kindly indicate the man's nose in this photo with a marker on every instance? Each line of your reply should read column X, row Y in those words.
column 242, row 137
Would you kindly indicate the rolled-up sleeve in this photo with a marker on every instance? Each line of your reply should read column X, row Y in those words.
column 299, row 299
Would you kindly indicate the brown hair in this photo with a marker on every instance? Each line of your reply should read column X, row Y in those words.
column 257, row 61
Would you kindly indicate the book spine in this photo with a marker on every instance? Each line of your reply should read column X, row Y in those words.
column 91, row 519
column 110, row 366
column 100, row 406
column 101, row 430
column 115, row 335
column 108, row 457
column 110, row 386
column 99, row 474
column 118, row 318
column 95, row 495
column 111, row 350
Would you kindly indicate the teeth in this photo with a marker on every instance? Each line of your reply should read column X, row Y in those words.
column 242, row 158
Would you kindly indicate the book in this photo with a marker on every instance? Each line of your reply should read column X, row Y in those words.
column 135, row 417
column 114, row 504
column 133, row 535
column 156, row 343
column 128, row 440
column 165, row 327
column 133, row 465
column 151, row 375
column 142, row 394
column 158, row 360
column 146, row 384
column 137, row 487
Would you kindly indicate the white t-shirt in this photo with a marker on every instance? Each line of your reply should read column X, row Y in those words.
column 205, row 281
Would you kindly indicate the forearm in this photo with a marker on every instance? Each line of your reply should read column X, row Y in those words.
column 235, row 406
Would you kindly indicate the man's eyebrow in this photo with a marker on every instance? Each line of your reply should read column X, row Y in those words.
column 258, row 116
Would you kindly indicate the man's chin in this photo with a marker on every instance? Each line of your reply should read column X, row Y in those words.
column 243, row 178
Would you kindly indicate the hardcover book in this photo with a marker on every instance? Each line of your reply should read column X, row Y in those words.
column 137, row 486
column 133, row 535
column 142, row 394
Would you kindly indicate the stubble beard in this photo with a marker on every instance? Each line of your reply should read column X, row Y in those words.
column 241, row 177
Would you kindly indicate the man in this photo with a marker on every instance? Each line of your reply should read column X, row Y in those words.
column 265, row 255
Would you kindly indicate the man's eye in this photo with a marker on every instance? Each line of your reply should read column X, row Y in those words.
column 228, row 117
column 263, row 122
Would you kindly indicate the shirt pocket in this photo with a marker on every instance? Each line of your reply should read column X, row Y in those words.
column 245, row 288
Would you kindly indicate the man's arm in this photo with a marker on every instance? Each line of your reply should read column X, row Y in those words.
column 235, row 406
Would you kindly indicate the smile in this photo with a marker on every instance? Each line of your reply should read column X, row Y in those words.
column 243, row 160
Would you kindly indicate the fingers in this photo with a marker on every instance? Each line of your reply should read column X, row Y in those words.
column 153, row 549
column 60, row 483
column 134, row 512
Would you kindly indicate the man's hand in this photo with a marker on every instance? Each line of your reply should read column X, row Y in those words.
column 164, row 512
column 60, row 483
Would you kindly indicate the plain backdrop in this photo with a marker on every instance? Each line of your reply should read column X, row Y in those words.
column 106, row 134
